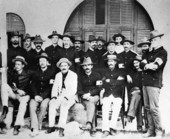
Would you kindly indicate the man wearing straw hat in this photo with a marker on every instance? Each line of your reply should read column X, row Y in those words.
column 89, row 92
column 18, row 88
column 153, row 64
column 62, row 95
column 41, row 92
column 111, row 93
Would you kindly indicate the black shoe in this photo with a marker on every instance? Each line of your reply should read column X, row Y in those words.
column 89, row 126
column 2, row 125
column 61, row 132
column 140, row 129
column 16, row 130
column 112, row 131
column 50, row 130
column 105, row 134
column 148, row 134
column 92, row 133
column 2, row 131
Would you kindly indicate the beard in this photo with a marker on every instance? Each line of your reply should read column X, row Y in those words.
column 15, row 42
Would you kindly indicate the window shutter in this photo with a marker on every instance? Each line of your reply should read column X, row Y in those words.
column 114, row 11
column 89, row 12
column 127, row 12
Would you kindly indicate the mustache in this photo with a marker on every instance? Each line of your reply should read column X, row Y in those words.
column 63, row 69
column 87, row 69
column 15, row 42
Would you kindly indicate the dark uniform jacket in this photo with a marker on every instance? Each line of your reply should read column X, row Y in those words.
column 32, row 60
column 41, row 85
column 12, row 53
column 154, row 77
column 115, row 86
column 87, row 84
column 53, row 53
column 70, row 54
column 99, row 54
column 127, row 60
column 20, row 81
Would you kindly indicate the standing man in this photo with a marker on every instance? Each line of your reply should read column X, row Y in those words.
column 18, row 88
column 99, row 53
column 67, row 51
column 153, row 65
column 92, row 47
column 62, row 96
column 54, row 49
column 78, row 43
column 119, row 38
column 41, row 92
column 112, row 89
column 38, row 42
column 28, row 47
column 145, row 45
column 14, row 49
column 89, row 92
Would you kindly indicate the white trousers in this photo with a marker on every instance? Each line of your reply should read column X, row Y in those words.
column 64, row 106
column 106, row 108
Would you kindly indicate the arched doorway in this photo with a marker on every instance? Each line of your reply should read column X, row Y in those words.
column 14, row 23
column 107, row 17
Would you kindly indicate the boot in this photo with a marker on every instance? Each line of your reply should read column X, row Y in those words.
column 50, row 130
column 16, row 130
column 61, row 132
column 4, row 113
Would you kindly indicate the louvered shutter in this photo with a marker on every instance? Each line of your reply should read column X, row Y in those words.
column 89, row 12
column 114, row 7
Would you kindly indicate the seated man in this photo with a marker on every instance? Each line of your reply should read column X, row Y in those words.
column 18, row 88
column 89, row 92
column 135, row 107
column 113, row 86
column 63, row 95
column 41, row 92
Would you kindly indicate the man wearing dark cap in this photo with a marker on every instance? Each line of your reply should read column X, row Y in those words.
column 91, row 48
column 136, row 97
column 100, row 50
column 89, row 92
column 38, row 42
column 110, row 45
column 113, row 80
column 63, row 95
column 67, row 51
column 18, row 88
column 28, row 47
column 54, row 48
column 14, row 49
column 153, row 64
column 144, row 45
column 41, row 92
column 118, row 38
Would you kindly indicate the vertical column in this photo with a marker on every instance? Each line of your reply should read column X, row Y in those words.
column 3, row 40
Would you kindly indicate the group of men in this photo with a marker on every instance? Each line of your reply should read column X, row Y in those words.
column 56, row 78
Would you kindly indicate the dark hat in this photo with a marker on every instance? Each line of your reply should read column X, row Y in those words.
column 100, row 38
column 19, row 58
column 38, row 39
column 43, row 55
column 27, row 36
column 78, row 39
column 92, row 38
column 154, row 34
column 110, row 41
column 131, row 42
column 138, row 58
column 118, row 35
column 86, row 61
column 144, row 41
column 15, row 33
column 63, row 60
column 54, row 33
column 112, row 57
column 67, row 34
